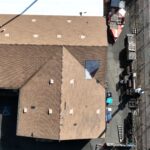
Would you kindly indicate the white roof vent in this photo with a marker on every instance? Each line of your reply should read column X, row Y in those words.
column 33, row 20
column 25, row 110
column 50, row 111
column 71, row 111
column 69, row 21
column 82, row 37
column 35, row 35
column 98, row 111
column 59, row 36
column 7, row 34
column 51, row 81
column 72, row 81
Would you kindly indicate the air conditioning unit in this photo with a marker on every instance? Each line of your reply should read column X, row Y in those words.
column 131, row 42
column 134, row 31
column 131, row 47
column 132, row 104
column 131, row 55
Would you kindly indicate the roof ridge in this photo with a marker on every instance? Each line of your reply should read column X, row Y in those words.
column 60, row 124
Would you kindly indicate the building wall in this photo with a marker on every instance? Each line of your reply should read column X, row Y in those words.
column 85, row 97
column 139, row 13
column 53, row 7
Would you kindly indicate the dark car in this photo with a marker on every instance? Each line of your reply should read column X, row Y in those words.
column 108, row 94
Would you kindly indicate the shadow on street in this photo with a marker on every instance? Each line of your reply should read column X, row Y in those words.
column 9, row 140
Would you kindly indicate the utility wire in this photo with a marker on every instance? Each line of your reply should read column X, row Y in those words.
column 7, row 22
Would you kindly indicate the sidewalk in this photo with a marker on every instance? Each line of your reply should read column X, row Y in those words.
column 113, row 71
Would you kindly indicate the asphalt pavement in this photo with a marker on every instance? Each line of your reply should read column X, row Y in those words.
column 113, row 71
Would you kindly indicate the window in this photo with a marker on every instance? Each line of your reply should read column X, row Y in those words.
column 91, row 67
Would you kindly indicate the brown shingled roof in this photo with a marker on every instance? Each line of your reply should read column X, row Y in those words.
column 38, row 50
column 53, row 30
column 77, row 109
column 18, row 63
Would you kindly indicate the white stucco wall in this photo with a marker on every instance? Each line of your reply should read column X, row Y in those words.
column 53, row 7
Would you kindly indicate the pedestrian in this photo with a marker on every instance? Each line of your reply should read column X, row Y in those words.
column 139, row 91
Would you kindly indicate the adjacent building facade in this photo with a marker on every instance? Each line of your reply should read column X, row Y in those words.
column 58, row 64
column 137, row 22
column 139, row 12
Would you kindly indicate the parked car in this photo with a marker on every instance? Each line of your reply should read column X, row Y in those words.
column 109, row 99
column 108, row 114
